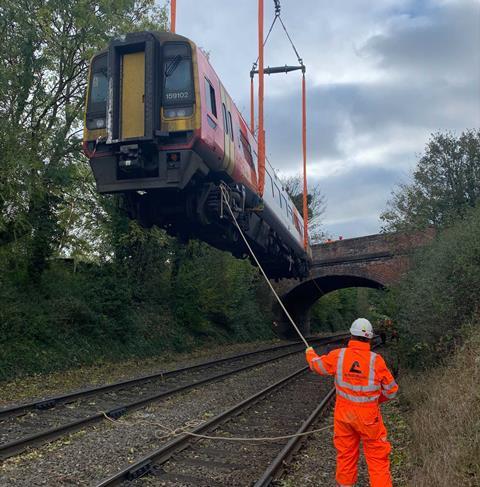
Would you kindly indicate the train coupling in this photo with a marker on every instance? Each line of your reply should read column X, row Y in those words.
column 129, row 157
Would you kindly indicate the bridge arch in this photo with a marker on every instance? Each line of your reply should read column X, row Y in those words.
column 300, row 300
column 375, row 261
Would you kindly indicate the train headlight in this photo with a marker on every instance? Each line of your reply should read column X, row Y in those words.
column 177, row 112
column 96, row 123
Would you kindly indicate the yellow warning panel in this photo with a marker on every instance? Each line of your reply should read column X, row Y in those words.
column 133, row 95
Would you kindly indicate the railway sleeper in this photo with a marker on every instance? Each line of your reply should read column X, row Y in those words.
column 140, row 470
column 116, row 413
column 47, row 404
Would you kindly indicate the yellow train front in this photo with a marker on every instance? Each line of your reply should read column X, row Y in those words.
column 162, row 131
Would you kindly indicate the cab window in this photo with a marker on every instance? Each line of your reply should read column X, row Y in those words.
column 177, row 69
column 97, row 102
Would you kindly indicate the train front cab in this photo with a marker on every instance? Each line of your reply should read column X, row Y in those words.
column 143, row 114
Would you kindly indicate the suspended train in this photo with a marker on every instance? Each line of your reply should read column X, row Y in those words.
column 161, row 130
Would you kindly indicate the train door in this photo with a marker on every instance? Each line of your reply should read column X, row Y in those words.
column 132, row 109
column 229, row 144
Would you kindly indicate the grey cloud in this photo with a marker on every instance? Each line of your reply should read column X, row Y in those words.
column 436, row 106
column 373, row 109
column 356, row 227
column 441, row 41
column 325, row 121
column 356, row 198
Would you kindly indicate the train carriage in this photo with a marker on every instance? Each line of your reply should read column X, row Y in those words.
column 161, row 130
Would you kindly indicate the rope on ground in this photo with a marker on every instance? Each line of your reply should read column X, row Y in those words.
column 172, row 433
column 265, row 438
column 225, row 197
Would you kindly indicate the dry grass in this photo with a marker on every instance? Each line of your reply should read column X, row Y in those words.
column 444, row 417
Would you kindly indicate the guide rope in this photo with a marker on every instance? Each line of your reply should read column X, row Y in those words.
column 225, row 198
column 168, row 433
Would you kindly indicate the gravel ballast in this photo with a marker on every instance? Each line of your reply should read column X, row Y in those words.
column 88, row 456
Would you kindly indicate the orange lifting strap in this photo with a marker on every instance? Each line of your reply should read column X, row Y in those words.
column 173, row 15
column 261, row 129
column 261, row 71
column 304, row 150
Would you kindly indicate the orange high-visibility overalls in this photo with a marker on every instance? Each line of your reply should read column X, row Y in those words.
column 362, row 381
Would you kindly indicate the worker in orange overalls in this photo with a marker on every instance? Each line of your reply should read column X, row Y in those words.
column 362, row 382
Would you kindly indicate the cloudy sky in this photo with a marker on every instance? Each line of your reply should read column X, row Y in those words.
column 382, row 76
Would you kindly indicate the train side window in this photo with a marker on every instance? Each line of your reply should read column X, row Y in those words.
column 278, row 192
column 296, row 222
column 284, row 202
column 231, row 125
column 270, row 182
column 247, row 150
column 225, row 120
column 290, row 213
column 210, row 97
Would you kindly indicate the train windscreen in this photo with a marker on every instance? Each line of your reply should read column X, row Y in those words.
column 178, row 86
column 98, row 90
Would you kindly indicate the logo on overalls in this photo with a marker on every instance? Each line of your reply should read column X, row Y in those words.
column 355, row 368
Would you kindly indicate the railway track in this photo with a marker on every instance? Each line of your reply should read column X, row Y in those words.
column 33, row 424
column 279, row 410
column 205, row 457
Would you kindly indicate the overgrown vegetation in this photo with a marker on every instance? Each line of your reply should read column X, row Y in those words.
column 441, row 292
column 337, row 310
column 437, row 313
column 158, row 296
column 442, row 408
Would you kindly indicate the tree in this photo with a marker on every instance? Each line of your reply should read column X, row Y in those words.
column 316, row 202
column 45, row 47
column 446, row 183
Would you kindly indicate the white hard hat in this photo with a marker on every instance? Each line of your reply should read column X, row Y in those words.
column 361, row 327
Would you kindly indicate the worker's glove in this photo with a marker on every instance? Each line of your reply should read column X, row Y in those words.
column 310, row 353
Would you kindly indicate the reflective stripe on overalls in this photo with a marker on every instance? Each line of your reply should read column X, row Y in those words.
column 340, row 383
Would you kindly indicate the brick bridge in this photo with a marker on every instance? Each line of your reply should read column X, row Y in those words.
column 373, row 261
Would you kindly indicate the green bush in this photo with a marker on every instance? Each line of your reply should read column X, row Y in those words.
column 336, row 310
column 441, row 293
column 163, row 298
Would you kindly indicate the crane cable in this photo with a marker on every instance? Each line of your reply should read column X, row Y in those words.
column 225, row 198
column 279, row 18
column 255, row 64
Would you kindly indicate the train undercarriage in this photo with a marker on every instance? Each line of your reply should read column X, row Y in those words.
column 200, row 212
